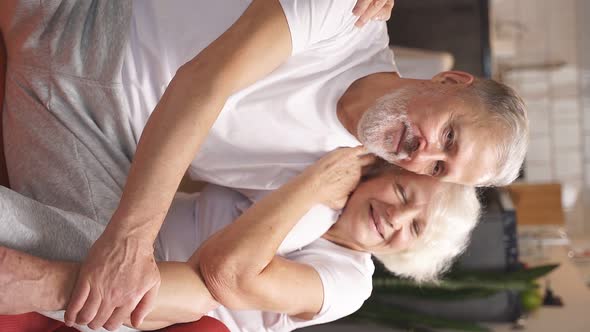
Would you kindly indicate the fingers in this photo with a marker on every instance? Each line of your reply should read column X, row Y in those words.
column 360, row 150
column 90, row 309
column 371, row 12
column 76, row 303
column 361, row 6
column 104, row 312
column 145, row 306
column 385, row 13
column 367, row 159
column 117, row 318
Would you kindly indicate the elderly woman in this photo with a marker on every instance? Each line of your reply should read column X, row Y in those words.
column 414, row 224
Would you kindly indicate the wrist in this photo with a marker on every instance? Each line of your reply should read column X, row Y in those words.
column 312, row 186
column 124, row 226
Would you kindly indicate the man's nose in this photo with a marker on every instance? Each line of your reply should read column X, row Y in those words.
column 429, row 152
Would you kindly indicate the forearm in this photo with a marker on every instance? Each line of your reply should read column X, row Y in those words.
column 251, row 241
column 234, row 259
column 169, row 142
column 256, row 44
column 253, row 47
column 183, row 296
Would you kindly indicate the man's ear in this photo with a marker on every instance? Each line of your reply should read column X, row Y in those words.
column 453, row 77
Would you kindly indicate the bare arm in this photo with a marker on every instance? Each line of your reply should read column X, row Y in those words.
column 255, row 45
column 239, row 264
column 36, row 284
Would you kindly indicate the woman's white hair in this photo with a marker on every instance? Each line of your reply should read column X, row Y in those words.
column 451, row 215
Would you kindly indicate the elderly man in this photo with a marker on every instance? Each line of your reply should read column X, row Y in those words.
column 273, row 86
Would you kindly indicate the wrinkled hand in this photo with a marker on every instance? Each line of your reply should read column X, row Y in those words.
column 119, row 280
column 338, row 173
column 367, row 10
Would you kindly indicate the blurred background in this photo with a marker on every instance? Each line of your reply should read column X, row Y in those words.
column 528, row 266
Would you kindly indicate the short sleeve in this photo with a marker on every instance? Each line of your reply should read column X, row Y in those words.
column 313, row 21
column 346, row 277
column 346, row 288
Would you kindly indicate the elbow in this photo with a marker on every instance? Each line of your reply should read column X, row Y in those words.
column 226, row 285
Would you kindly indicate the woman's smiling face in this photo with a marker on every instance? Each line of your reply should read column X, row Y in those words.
column 385, row 214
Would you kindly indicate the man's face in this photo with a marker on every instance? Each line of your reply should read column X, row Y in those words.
column 430, row 133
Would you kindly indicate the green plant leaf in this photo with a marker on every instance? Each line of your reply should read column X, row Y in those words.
column 438, row 293
column 392, row 316
column 529, row 274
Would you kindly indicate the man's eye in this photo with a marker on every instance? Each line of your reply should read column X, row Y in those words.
column 450, row 138
column 437, row 169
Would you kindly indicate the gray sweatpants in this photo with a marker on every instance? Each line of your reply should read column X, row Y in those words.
column 67, row 134
column 68, row 139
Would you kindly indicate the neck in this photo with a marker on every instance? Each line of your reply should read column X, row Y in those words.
column 361, row 96
column 333, row 236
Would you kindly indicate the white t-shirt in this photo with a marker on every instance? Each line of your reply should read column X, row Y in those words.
column 273, row 129
column 345, row 274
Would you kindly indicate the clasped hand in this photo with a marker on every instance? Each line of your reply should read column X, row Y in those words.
column 118, row 282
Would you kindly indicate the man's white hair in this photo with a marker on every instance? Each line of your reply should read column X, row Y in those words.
column 451, row 215
column 506, row 115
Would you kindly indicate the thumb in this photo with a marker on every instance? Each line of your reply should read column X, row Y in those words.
column 367, row 159
column 77, row 301
column 145, row 306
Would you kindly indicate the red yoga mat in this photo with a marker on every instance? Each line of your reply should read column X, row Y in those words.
column 34, row 322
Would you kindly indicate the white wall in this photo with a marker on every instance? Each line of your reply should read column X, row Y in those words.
column 541, row 33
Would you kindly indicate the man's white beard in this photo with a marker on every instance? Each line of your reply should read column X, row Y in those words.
column 390, row 111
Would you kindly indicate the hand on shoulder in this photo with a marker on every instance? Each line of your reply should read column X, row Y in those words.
column 338, row 173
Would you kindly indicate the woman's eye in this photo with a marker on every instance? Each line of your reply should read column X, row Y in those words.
column 416, row 228
column 402, row 194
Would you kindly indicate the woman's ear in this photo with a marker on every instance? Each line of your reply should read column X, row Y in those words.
column 453, row 77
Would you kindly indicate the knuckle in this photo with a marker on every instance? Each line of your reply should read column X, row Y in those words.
column 93, row 325
column 84, row 318
column 115, row 295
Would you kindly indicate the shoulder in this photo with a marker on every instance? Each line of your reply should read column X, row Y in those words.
column 346, row 274
column 312, row 21
column 346, row 277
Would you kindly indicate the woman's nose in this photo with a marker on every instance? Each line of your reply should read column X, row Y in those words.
column 400, row 217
